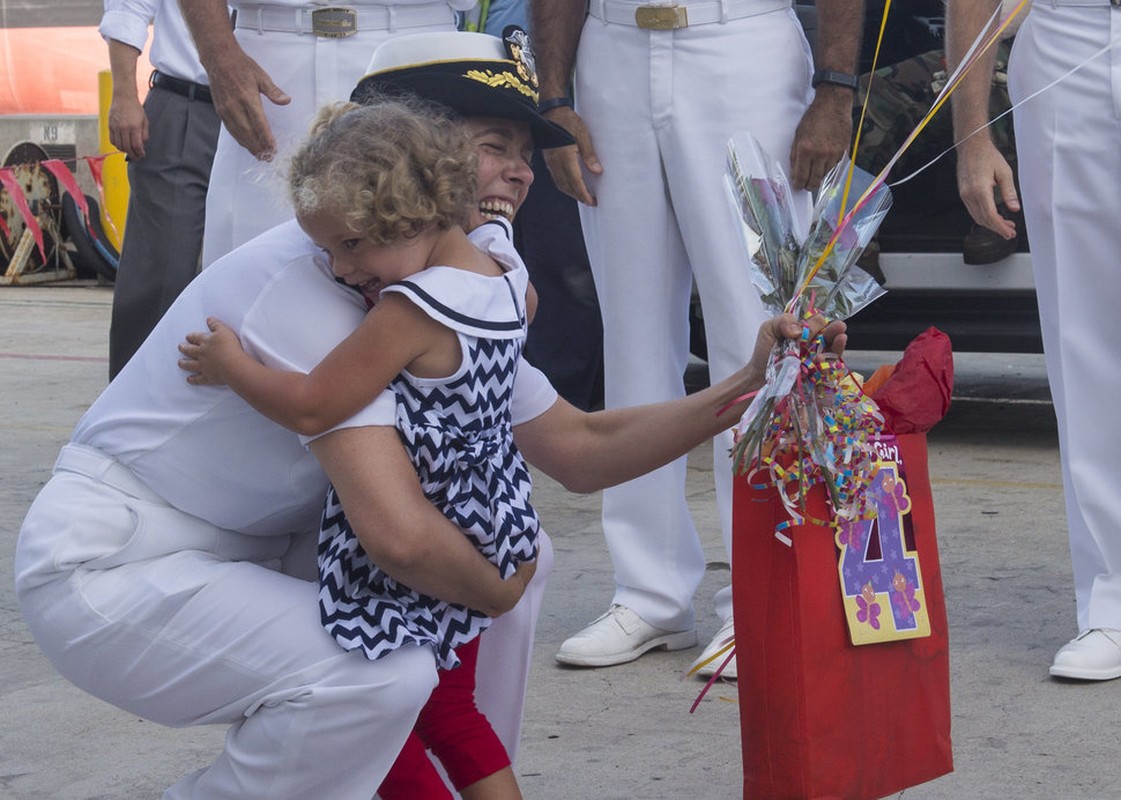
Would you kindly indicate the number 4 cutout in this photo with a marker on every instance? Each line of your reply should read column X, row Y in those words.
column 880, row 575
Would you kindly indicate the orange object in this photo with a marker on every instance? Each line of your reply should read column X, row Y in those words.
column 878, row 378
column 54, row 70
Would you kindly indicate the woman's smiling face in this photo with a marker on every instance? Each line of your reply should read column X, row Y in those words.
column 504, row 148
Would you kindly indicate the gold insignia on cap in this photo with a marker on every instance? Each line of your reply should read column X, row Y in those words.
column 520, row 51
column 503, row 79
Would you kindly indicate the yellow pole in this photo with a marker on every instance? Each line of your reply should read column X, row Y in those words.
column 114, row 171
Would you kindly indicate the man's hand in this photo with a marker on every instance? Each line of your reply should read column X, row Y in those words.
column 236, row 84
column 981, row 167
column 128, row 124
column 565, row 163
column 822, row 137
column 236, row 80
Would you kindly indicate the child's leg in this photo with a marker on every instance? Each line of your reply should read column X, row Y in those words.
column 413, row 776
column 460, row 736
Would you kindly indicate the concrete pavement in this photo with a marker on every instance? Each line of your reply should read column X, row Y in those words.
column 621, row 732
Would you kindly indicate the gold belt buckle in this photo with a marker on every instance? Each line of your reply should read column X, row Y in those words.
column 333, row 22
column 661, row 18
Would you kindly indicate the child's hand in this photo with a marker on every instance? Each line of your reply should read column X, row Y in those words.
column 208, row 356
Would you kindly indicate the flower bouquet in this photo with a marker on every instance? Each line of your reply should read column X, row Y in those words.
column 810, row 423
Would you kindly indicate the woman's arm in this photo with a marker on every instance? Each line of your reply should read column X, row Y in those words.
column 391, row 337
column 400, row 529
column 588, row 452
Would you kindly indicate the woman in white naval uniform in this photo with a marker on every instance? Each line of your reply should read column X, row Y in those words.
column 168, row 566
column 315, row 52
column 1071, row 190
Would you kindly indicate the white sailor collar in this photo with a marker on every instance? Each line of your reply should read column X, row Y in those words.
column 491, row 307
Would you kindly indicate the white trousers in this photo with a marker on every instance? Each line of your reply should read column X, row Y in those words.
column 247, row 196
column 661, row 106
column 172, row 619
column 1069, row 140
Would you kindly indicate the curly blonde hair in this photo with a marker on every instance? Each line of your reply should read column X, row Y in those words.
column 393, row 169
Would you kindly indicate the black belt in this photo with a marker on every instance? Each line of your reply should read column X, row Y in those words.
column 189, row 89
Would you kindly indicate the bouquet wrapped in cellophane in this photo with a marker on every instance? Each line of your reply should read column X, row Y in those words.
column 810, row 423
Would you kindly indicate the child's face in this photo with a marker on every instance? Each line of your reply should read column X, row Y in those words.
column 504, row 148
column 359, row 262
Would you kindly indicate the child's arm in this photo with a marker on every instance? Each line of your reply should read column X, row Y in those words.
column 393, row 335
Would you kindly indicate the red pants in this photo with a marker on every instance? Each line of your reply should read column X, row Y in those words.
column 455, row 731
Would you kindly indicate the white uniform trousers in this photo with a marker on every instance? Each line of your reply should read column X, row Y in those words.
column 247, row 196
column 172, row 619
column 1069, row 140
column 661, row 106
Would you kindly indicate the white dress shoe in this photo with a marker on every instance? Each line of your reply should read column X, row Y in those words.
column 720, row 641
column 620, row 636
column 1093, row 655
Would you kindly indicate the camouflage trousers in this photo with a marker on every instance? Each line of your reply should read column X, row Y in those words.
column 902, row 94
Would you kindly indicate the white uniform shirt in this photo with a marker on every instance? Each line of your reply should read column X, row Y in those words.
column 173, row 51
column 203, row 448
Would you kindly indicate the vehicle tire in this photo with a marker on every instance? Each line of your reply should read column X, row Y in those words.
column 95, row 253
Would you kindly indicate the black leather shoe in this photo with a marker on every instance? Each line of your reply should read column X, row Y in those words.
column 983, row 246
column 869, row 261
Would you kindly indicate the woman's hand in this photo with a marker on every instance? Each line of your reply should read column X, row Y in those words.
column 512, row 589
column 787, row 326
column 208, row 356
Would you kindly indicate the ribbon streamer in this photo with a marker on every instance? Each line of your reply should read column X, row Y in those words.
column 11, row 184
column 67, row 179
column 980, row 45
column 58, row 168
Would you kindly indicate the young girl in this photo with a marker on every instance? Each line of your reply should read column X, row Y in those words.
column 384, row 190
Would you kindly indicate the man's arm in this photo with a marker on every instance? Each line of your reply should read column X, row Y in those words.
column 588, row 452
column 825, row 132
column 236, row 81
column 124, row 27
column 400, row 529
column 980, row 164
column 128, row 124
column 556, row 28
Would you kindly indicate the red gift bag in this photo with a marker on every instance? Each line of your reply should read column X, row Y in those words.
column 821, row 717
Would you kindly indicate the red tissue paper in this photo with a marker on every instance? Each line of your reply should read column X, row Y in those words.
column 916, row 396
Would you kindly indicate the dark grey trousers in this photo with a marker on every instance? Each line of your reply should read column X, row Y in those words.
column 163, row 229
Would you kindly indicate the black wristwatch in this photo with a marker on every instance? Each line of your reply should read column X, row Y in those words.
column 553, row 102
column 835, row 78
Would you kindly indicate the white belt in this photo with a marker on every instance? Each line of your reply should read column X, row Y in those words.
column 339, row 21
column 668, row 17
column 94, row 464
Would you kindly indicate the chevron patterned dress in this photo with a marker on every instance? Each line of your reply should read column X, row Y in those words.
column 457, row 432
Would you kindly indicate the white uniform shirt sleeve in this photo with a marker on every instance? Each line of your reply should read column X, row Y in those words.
column 295, row 324
column 533, row 394
column 127, row 21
